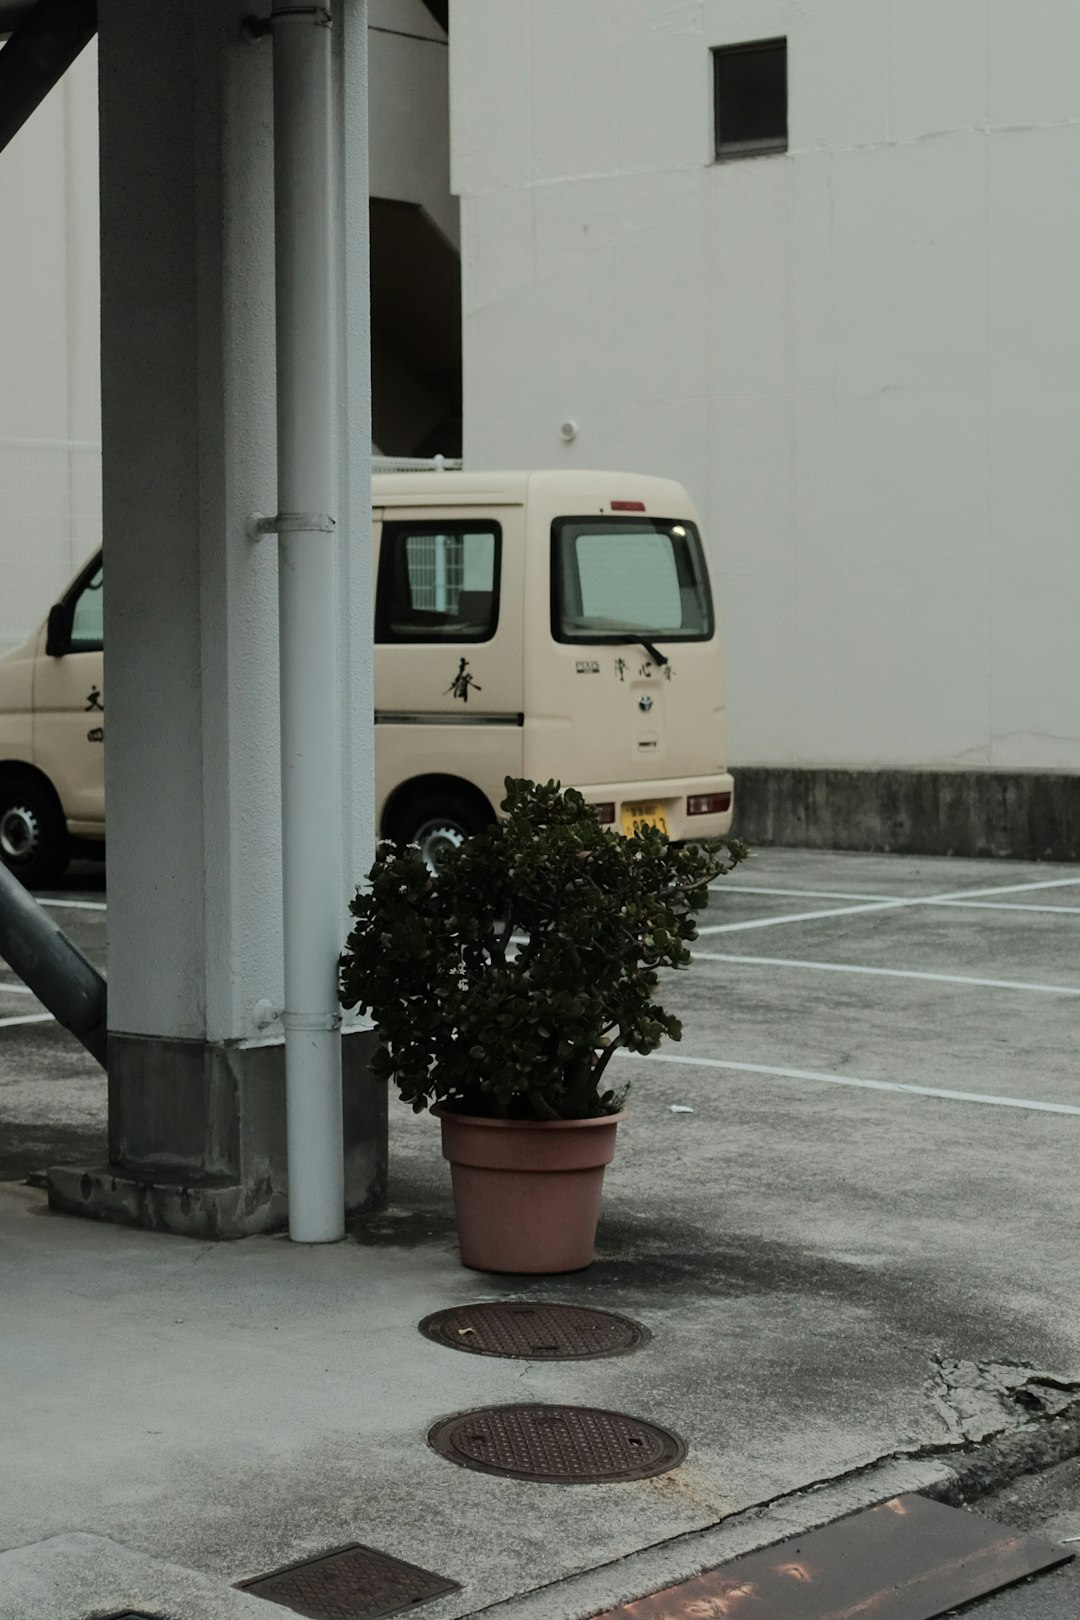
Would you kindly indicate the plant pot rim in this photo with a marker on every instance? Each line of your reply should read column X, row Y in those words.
column 527, row 1124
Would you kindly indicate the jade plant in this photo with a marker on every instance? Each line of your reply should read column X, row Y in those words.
column 503, row 984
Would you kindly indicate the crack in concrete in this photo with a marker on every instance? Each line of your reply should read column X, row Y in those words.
column 979, row 1399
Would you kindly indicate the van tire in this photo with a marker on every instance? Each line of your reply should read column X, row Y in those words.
column 34, row 842
column 438, row 821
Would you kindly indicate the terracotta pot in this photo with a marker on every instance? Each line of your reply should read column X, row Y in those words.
column 527, row 1195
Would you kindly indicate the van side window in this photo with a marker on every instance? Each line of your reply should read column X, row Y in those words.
column 87, row 622
column 438, row 581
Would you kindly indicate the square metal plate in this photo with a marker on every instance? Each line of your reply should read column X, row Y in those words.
column 351, row 1583
column 908, row 1559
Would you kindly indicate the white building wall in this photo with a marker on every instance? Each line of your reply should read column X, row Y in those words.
column 862, row 356
column 50, row 413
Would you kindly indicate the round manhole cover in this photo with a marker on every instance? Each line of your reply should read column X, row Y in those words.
column 533, row 1332
column 559, row 1445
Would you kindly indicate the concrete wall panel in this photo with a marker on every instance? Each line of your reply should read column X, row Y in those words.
column 909, row 267
column 1031, row 57
column 574, row 127
column 490, row 79
column 1034, row 473
column 838, row 73
column 937, row 67
column 661, row 74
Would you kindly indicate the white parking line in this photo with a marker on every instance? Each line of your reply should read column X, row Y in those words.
column 980, row 1098
column 803, row 916
column 887, row 899
column 738, row 887
column 959, row 897
column 15, row 989
column 1012, row 888
column 1005, row 905
column 887, row 973
column 27, row 1018
column 76, row 905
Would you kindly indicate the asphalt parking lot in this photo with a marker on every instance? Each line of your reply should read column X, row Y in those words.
column 955, row 980
column 53, row 1097
column 844, row 1206
column 890, row 971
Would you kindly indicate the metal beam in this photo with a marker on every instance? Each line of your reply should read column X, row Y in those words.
column 12, row 13
column 47, row 39
column 55, row 969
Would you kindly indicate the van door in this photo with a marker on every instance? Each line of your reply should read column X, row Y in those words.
column 69, row 708
column 448, row 664
column 633, row 650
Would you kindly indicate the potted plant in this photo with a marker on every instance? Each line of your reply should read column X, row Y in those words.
column 503, row 984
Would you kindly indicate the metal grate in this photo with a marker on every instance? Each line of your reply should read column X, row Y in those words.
column 557, row 1445
column 533, row 1332
column 352, row 1583
column 908, row 1559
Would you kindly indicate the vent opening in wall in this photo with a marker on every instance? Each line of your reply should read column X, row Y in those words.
column 750, row 98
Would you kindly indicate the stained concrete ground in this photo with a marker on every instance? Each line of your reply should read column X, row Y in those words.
column 848, row 1286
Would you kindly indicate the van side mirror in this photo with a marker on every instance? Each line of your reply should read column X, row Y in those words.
column 58, row 637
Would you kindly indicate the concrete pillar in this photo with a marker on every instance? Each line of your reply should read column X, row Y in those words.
column 196, row 1074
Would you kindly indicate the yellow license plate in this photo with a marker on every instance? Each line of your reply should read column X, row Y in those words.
column 636, row 816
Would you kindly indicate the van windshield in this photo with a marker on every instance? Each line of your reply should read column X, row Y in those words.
column 619, row 578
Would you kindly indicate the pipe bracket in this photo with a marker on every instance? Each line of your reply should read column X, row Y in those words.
column 319, row 15
column 290, row 523
column 311, row 1023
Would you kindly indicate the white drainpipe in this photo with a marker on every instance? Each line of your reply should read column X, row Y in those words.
column 310, row 763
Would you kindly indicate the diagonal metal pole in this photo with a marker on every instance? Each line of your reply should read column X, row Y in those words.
column 56, row 970
column 46, row 40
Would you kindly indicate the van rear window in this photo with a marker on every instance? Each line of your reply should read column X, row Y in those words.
column 438, row 581
column 621, row 577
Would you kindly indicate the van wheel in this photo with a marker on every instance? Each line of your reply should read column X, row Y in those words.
column 33, row 837
column 437, row 824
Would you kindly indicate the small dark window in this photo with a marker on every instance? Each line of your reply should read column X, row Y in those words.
column 87, row 619
column 438, row 581
column 750, row 91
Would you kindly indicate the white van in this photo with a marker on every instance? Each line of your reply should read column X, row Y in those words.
column 537, row 624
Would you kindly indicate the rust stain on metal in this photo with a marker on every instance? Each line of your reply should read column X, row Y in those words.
column 908, row 1559
column 533, row 1331
column 557, row 1445
column 351, row 1583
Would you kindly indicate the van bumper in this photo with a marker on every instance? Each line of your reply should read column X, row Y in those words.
column 670, row 795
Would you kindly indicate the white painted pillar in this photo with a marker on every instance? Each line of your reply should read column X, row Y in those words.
column 197, row 1106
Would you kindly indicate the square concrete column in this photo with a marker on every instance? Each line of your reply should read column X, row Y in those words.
column 196, row 1070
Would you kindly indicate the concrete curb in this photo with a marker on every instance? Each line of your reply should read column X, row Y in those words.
column 998, row 1461
column 957, row 1477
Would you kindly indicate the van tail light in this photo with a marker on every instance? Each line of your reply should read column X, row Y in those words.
column 605, row 814
column 628, row 506
column 708, row 804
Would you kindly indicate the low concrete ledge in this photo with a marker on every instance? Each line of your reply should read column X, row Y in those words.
column 225, row 1210
column 1017, row 815
column 197, row 1138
